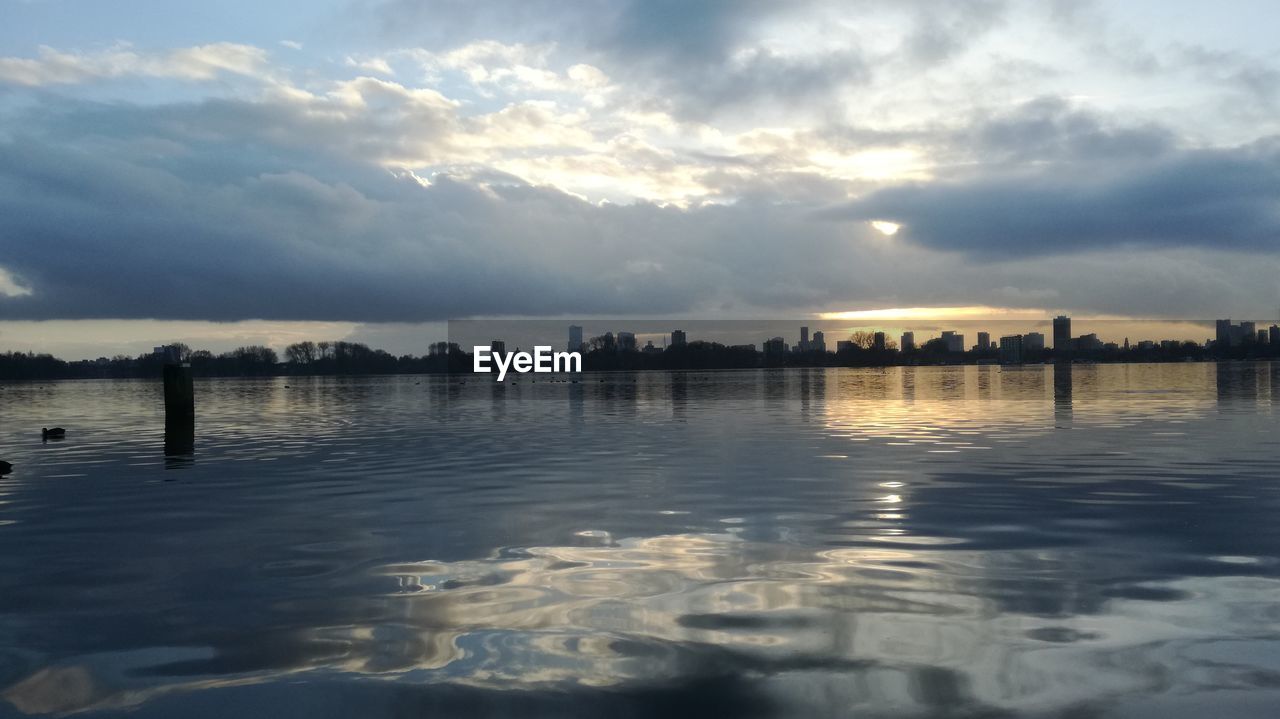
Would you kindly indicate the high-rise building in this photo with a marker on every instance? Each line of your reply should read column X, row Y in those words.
column 984, row 341
column 678, row 338
column 1222, row 336
column 498, row 347
column 1011, row 349
column 804, row 339
column 1274, row 333
column 953, row 341
column 1062, row 333
column 626, row 342
column 1262, row 337
column 1248, row 332
column 775, row 347
column 908, row 341
column 819, row 342
column 575, row 338
column 1033, row 342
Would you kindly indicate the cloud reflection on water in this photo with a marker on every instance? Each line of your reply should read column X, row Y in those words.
column 424, row 552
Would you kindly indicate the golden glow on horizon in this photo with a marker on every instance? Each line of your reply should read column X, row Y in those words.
column 974, row 312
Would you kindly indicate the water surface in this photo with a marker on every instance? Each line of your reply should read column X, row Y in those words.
column 1093, row 541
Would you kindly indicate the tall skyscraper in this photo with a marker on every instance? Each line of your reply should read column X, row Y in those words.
column 819, row 342
column 984, row 341
column 626, row 342
column 1274, row 335
column 1222, row 336
column 575, row 338
column 877, row 342
column 908, row 341
column 1062, row 333
column 678, row 338
column 498, row 347
column 804, row 338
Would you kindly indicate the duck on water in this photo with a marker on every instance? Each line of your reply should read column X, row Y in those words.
column 52, row 433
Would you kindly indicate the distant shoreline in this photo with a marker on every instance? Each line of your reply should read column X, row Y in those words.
column 283, row 371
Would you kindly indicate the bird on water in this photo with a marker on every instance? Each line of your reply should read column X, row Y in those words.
column 52, row 432
column 5, row 467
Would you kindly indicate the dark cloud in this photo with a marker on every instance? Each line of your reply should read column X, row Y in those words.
column 269, row 221
column 1221, row 199
column 233, row 210
column 692, row 59
column 1049, row 128
column 942, row 31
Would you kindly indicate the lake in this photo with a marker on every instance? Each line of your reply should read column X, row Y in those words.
column 1087, row 541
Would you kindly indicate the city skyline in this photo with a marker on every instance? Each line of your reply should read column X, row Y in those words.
column 1228, row 335
column 368, row 170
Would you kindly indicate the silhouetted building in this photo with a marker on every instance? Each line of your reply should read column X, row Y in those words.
column 1088, row 343
column 984, row 341
column 819, row 342
column 1011, row 347
column 908, row 341
column 498, row 348
column 775, row 347
column 1062, row 333
column 1248, row 332
column 1222, row 335
column 678, row 338
column 575, row 338
column 843, row 346
column 952, row 341
column 877, row 342
column 1274, row 335
column 1033, row 342
column 626, row 342
column 804, row 338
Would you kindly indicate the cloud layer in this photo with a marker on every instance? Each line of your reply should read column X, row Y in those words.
column 646, row 158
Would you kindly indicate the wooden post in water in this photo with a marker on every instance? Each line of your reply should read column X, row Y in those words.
column 179, row 391
column 179, row 409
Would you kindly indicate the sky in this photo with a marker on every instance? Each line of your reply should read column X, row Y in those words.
column 232, row 173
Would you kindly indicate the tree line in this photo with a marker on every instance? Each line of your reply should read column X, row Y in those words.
column 354, row 358
column 302, row 358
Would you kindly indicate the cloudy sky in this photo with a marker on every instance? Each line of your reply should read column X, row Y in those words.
column 232, row 172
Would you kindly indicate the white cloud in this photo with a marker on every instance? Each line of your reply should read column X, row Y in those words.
column 10, row 287
column 201, row 62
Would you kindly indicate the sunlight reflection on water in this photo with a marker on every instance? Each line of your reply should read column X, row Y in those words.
column 898, row 542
